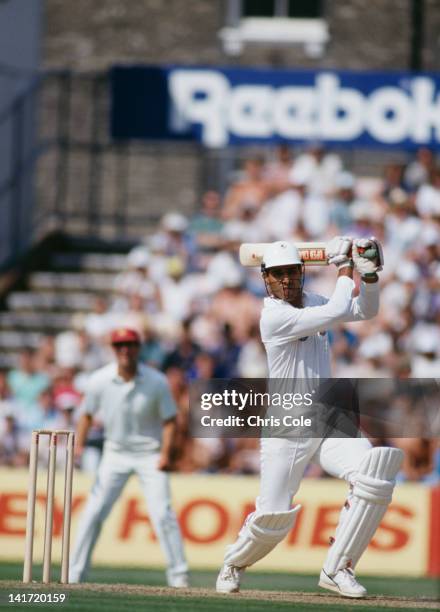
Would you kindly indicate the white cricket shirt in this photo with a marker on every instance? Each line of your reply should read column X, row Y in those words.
column 296, row 339
column 132, row 412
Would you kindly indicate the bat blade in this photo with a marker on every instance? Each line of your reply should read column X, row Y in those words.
column 312, row 253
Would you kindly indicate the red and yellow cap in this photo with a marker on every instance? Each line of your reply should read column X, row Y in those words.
column 124, row 334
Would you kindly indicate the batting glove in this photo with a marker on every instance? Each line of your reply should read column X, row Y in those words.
column 367, row 256
column 338, row 251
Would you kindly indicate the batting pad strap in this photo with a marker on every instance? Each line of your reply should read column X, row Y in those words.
column 373, row 489
column 260, row 534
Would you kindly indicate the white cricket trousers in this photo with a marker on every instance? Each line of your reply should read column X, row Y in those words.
column 113, row 472
column 284, row 461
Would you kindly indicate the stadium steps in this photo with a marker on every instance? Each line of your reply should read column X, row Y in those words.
column 73, row 301
column 55, row 287
column 88, row 261
column 72, row 281
column 34, row 321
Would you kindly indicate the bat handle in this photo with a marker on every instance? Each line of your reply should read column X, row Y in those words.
column 370, row 252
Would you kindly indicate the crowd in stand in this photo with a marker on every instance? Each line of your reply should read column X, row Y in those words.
column 198, row 309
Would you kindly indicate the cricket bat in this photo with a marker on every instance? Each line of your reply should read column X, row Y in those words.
column 312, row 253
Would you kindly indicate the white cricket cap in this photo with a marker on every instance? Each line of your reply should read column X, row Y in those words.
column 281, row 254
column 430, row 235
column 361, row 211
column 377, row 345
column 174, row 222
column 398, row 196
column 345, row 180
column 407, row 272
column 425, row 338
column 139, row 257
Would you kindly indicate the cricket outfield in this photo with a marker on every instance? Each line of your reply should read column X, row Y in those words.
column 114, row 589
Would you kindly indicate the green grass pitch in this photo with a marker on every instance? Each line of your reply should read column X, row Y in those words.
column 386, row 593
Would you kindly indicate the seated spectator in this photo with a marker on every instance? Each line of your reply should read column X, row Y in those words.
column 245, row 459
column 177, row 290
column 424, row 344
column 152, row 351
column 278, row 170
column 252, row 189
column 317, row 169
column 136, row 280
column 393, row 178
column 244, row 227
column 68, row 350
column 25, row 381
column 235, row 306
column 176, row 240
column 206, row 225
column 340, row 207
column 420, row 460
column 136, row 316
column 45, row 356
column 252, row 360
column 402, row 227
column 419, row 170
column 100, row 321
column 227, row 354
column 184, row 354
column 428, row 197
column 11, row 451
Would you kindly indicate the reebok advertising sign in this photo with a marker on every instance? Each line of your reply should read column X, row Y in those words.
column 230, row 106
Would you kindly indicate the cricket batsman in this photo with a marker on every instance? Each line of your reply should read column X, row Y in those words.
column 294, row 325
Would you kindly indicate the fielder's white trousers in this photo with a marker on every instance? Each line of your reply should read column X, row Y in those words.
column 284, row 461
column 113, row 472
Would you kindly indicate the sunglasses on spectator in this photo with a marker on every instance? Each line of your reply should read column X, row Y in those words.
column 118, row 345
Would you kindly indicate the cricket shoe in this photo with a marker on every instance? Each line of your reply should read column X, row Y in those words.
column 179, row 581
column 343, row 582
column 228, row 580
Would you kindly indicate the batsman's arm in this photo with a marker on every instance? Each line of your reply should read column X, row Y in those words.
column 366, row 304
column 281, row 326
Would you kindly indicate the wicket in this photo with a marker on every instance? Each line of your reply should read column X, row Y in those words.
column 30, row 518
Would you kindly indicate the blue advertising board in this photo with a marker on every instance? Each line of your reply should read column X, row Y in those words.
column 231, row 106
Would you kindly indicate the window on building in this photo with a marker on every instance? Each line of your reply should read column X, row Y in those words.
column 275, row 22
column 296, row 9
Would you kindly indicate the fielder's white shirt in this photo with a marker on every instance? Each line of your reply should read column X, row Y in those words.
column 296, row 339
column 132, row 412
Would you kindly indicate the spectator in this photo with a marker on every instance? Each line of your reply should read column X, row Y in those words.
column 317, row 169
column 11, row 452
column 136, row 280
column 419, row 170
column 25, row 381
column 185, row 353
column 206, row 225
column 252, row 189
column 340, row 207
column 100, row 321
column 428, row 197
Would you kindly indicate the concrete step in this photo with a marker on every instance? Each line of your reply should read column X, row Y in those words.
column 50, row 300
column 18, row 340
column 98, row 262
column 16, row 321
column 68, row 281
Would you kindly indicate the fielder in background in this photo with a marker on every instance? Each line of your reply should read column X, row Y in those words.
column 136, row 407
column 294, row 326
